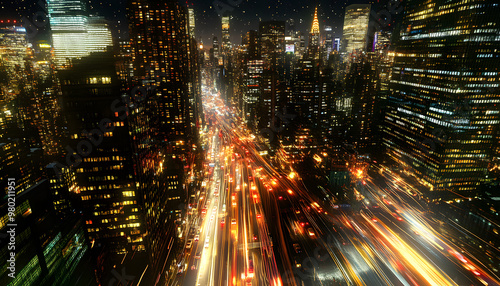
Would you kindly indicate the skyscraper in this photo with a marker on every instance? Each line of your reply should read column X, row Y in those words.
column 68, row 23
column 313, row 51
column 272, row 52
column 14, row 48
column 327, row 44
column 192, row 25
column 226, row 41
column 217, row 56
column 444, row 100
column 164, row 123
column 354, row 34
column 74, row 33
column 98, row 36
column 105, row 169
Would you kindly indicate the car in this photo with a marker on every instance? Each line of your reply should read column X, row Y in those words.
column 189, row 243
column 254, row 237
column 223, row 222
column 310, row 231
column 212, row 217
column 250, row 269
column 297, row 248
column 197, row 237
column 193, row 267
column 233, row 221
column 198, row 255
column 207, row 244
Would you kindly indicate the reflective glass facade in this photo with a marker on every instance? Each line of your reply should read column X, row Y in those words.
column 444, row 92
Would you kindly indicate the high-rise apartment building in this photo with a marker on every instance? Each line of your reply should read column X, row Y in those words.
column 354, row 34
column 444, row 100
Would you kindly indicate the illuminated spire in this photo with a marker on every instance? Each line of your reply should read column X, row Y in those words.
column 315, row 25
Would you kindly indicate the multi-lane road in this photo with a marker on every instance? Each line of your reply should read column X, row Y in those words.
column 255, row 224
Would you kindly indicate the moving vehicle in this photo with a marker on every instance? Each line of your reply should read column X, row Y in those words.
column 310, row 231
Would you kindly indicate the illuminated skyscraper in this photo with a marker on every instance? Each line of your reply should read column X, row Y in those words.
column 98, row 36
column 327, row 44
column 337, row 44
column 252, row 88
column 226, row 41
column 272, row 52
column 68, row 23
column 381, row 41
column 49, row 248
column 444, row 92
column 74, row 33
column 215, row 46
column 361, row 84
column 164, row 124
column 191, row 22
column 14, row 48
column 104, row 168
column 313, row 51
column 354, row 35
column 30, row 83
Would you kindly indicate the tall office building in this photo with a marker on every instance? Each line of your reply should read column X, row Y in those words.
column 252, row 91
column 251, row 75
column 354, row 34
column 74, row 33
column 98, row 36
column 14, row 48
column 226, row 41
column 361, row 84
column 381, row 41
column 164, row 123
column 105, row 169
column 313, row 48
column 272, row 52
column 327, row 44
column 217, row 55
column 48, row 248
column 444, row 100
column 191, row 21
column 306, row 91
column 68, row 23
column 337, row 44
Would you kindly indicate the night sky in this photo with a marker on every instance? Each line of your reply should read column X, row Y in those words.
column 245, row 16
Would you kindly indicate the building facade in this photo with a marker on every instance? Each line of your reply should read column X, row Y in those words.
column 443, row 100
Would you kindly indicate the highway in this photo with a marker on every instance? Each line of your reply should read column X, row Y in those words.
column 260, row 225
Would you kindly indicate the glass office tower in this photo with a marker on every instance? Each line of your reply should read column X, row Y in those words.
column 74, row 33
column 355, row 27
column 444, row 93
